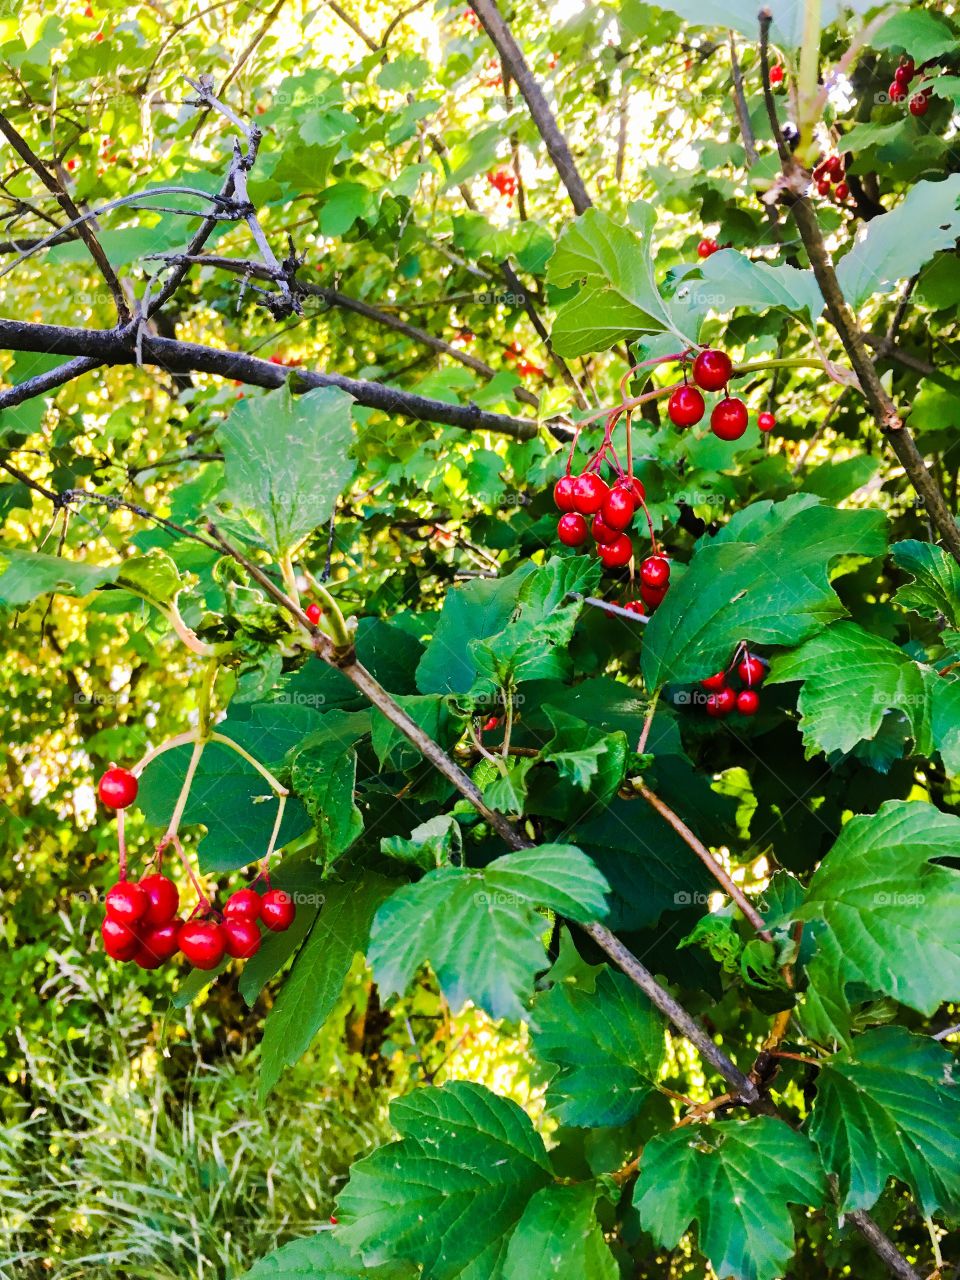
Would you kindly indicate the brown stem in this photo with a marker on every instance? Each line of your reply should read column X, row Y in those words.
column 882, row 1246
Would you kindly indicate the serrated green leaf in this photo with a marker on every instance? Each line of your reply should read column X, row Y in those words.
column 889, row 1108
column 935, row 590
column 287, row 460
column 730, row 279
column 154, row 576
column 735, row 1179
column 480, row 930
column 313, row 985
column 435, row 843
column 897, row 244
column 886, row 911
column 559, row 1237
column 944, row 694
column 607, row 1046
column 435, row 715
column 577, row 749
column 763, row 578
column 923, row 35
column 325, row 775
column 323, row 1257
column 25, row 575
column 449, row 1194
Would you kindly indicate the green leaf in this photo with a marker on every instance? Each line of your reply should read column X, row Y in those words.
column 607, row 1046
column 434, row 714
column 580, row 751
column 923, row 35
column 836, row 479
column 851, row 680
column 313, row 985
column 730, row 279
column 435, row 843
column 154, row 576
column 507, row 792
column 735, row 1179
column 886, row 913
column 890, row 1108
column 935, row 590
column 325, row 776
column 559, row 1237
column 480, row 930
column 787, row 30
column 449, row 1194
column 944, row 694
column 25, row 575
column 763, row 578
column 286, row 460
column 322, row 1257
column 897, row 244
column 618, row 297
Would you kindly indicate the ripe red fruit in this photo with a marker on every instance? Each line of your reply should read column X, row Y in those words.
column 721, row 703
column 824, row 187
column 834, row 167
column 633, row 606
column 618, row 508
column 766, row 421
column 158, row 945
column 655, row 572
column 897, row 91
column 589, row 493
column 119, row 941
column 652, row 596
column 563, row 493
column 729, row 418
column 776, row 74
column 126, row 902
column 163, row 898
column 707, row 247
column 601, row 531
column 490, row 724
column 202, row 942
column 919, row 104
column 712, row 369
column 842, row 191
column 634, row 486
column 278, row 910
column 314, row 613
column 748, row 702
column 242, row 938
column 752, row 670
column 244, row 904
column 685, row 406
column 117, row 788
column 714, row 682
column 572, row 530
column 614, row 555
column 906, row 70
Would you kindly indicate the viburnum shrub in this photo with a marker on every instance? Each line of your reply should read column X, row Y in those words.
column 481, row 494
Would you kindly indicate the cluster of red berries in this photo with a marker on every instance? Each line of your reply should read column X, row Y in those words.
column 504, row 181
column 525, row 368
column 830, row 171
column 900, row 87
column 722, row 697
column 611, row 511
column 141, row 922
column 707, row 248
column 729, row 417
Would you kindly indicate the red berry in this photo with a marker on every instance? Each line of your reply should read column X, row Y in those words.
column 601, row 531
column 634, row 486
column 712, row 369
column 714, row 682
column 823, row 187
column 618, row 508
column 572, row 529
column 117, row 788
column 563, row 493
column 842, row 191
column 126, row 902
column 766, row 421
column 244, row 904
column 748, row 702
column 158, row 945
column 752, row 670
column 589, row 493
column 633, row 606
column 314, row 613
column 490, row 724
column 655, row 572
column 652, row 596
column 897, row 91
column 685, row 406
column 278, row 910
column 776, row 74
column 721, row 703
column 614, row 555
column 242, row 938
column 98, row 37
column 202, row 942
column 707, row 247
column 919, row 104
column 163, row 898
column 729, row 418
column 835, row 167
column 906, row 70
column 119, row 941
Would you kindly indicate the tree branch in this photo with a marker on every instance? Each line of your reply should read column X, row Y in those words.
column 512, row 57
